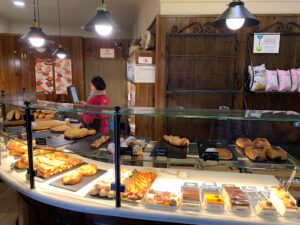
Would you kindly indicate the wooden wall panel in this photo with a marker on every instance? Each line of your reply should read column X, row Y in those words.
column 114, row 74
column 18, row 68
column 164, row 25
column 92, row 47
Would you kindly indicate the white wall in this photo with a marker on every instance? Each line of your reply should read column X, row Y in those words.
column 20, row 27
column 147, row 11
column 198, row 7
column 4, row 25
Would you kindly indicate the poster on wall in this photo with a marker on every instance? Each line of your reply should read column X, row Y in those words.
column 44, row 75
column 63, row 75
column 266, row 43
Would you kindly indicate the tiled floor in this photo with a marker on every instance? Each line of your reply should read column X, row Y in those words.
column 8, row 205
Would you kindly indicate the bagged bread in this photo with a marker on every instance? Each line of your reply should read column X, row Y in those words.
column 272, row 80
column 295, row 80
column 285, row 81
column 258, row 77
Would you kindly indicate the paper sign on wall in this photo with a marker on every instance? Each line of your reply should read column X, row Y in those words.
column 144, row 74
column 266, row 43
column 145, row 60
column 108, row 53
column 63, row 75
column 44, row 75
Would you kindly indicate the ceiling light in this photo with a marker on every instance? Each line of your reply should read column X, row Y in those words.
column 19, row 3
column 101, row 22
column 236, row 17
column 59, row 52
column 35, row 37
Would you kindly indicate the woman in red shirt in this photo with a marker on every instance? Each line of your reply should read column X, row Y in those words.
column 97, row 97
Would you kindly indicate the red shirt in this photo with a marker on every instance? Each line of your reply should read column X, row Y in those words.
column 88, row 118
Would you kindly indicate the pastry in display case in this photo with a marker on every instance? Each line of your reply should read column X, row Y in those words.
column 231, row 183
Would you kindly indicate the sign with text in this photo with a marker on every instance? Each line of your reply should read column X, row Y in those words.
column 144, row 74
column 145, row 60
column 107, row 53
column 266, row 43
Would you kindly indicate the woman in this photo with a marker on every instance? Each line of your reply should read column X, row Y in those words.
column 97, row 97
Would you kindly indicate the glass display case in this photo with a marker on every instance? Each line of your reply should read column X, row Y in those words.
column 195, row 166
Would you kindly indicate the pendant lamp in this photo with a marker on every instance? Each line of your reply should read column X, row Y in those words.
column 101, row 22
column 35, row 37
column 59, row 52
column 236, row 17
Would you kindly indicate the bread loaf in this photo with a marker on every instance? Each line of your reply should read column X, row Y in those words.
column 242, row 142
column 277, row 153
column 255, row 153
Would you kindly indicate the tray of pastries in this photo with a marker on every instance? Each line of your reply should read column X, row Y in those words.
column 78, row 178
column 162, row 200
column 236, row 200
column 177, row 147
column 102, row 188
column 215, row 150
column 260, row 150
column 284, row 203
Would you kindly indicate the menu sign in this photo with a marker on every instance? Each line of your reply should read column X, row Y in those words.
column 44, row 75
column 63, row 75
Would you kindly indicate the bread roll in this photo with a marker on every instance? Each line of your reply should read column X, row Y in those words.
column 224, row 153
column 88, row 170
column 242, row 142
column 277, row 153
column 10, row 115
column 262, row 143
column 73, row 177
column 255, row 153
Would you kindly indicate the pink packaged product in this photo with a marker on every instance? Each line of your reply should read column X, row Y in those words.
column 285, row 81
column 295, row 79
column 272, row 80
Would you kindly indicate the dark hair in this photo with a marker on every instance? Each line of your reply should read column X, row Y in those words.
column 98, row 82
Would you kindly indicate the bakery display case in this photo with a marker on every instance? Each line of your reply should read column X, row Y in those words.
column 206, row 166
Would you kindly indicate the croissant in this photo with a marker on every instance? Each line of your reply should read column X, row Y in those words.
column 176, row 140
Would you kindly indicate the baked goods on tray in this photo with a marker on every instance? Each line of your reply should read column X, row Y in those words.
column 176, row 140
column 76, row 132
column 103, row 187
column 265, row 208
column 277, row 154
column 97, row 143
column 54, row 163
column 213, row 201
column 88, row 170
column 14, row 115
column 137, row 185
column 71, row 178
column 236, row 200
column 61, row 128
column 160, row 198
column 255, row 153
column 242, row 142
column 43, row 114
column 19, row 147
column 284, row 202
column 47, row 124
column 262, row 143
column 224, row 154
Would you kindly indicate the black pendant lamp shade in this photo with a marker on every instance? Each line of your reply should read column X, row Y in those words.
column 35, row 37
column 236, row 11
column 101, row 22
column 59, row 52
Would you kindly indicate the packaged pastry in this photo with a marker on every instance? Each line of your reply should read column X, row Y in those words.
column 284, row 203
column 160, row 199
column 265, row 209
column 209, row 187
column 191, row 196
column 258, row 77
column 236, row 200
column 213, row 202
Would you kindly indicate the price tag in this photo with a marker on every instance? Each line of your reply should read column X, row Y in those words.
column 126, row 151
column 113, row 187
column 210, row 156
column 161, row 152
column 41, row 141
column 297, row 124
